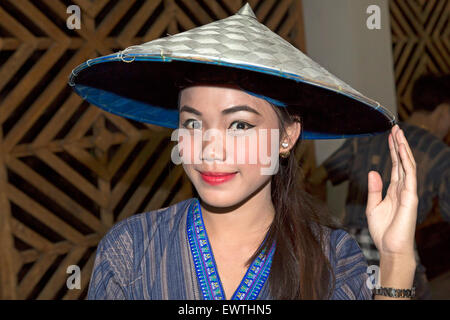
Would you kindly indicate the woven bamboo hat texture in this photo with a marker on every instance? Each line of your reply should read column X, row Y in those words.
column 142, row 82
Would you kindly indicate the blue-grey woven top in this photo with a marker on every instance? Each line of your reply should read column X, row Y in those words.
column 147, row 257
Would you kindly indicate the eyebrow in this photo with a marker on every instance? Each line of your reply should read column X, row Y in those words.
column 186, row 108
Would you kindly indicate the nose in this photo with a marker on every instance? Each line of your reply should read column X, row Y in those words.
column 213, row 146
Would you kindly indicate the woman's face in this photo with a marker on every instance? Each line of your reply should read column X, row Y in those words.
column 223, row 173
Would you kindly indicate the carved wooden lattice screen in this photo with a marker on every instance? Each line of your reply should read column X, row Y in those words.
column 69, row 171
column 420, row 42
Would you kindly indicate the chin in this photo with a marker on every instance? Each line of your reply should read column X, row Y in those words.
column 218, row 198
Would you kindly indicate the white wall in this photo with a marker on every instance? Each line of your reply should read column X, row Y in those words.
column 337, row 37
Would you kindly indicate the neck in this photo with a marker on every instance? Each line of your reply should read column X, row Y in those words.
column 248, row 221
column 420, row 119
column 436, row 123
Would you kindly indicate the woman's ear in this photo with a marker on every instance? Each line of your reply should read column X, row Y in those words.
column 293, row 133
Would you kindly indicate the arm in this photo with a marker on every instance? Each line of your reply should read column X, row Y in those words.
column 104, row 283
column 350, row 267
column 444, row 195
column 113, row 264
column 396, row 272
column 437, row 175
column 392, row 220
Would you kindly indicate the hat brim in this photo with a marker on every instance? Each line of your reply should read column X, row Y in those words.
column 144, row 88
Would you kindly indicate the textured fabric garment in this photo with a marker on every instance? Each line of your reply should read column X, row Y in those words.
column 356, row 157
column 147, row 256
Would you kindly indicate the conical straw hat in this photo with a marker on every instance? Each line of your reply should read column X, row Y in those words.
column 141, row 82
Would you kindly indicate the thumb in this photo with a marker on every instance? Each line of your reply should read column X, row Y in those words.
column 375, row 187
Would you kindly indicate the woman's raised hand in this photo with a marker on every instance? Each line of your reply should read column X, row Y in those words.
column 392, row 220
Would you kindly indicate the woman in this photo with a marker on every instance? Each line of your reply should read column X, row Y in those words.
column 252, row 232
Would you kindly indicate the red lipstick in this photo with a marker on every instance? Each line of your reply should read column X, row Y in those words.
column 215, row 178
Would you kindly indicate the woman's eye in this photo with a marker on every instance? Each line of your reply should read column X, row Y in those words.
column 240, row 125
column 192, row 124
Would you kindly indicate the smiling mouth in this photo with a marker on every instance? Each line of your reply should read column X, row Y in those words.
column 215, row 178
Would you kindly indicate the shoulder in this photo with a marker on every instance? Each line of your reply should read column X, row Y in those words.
column 123, row 246
column 424, row 139
column 142, row 224
column 339, row 244
column 432, row 153
column 129, row 237
column 346, row 251
column 350, row 268
column 349, row 265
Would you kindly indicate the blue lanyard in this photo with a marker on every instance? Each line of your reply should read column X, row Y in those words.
column 205, row 265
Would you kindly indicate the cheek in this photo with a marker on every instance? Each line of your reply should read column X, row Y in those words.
column 258, row 149
column 187, row 146
column 267, row 147
column 189, row 169
column 269, row 143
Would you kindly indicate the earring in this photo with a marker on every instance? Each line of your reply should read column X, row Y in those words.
column 285, row 154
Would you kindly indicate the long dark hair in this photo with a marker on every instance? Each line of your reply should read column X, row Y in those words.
column 300, row 268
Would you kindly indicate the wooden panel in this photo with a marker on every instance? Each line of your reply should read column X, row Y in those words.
column 420, row 44
column 68, row 170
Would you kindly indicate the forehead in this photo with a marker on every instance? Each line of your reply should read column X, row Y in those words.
column 219, row 95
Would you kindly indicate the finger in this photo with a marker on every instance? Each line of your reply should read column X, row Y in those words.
column 394, row 158
column 408, row 148
column 375, row 187
column 410, row 169
column 401, row 173
column 397, row 157
column 408, row 195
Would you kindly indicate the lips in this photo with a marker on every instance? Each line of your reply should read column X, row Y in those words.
column 215, row 178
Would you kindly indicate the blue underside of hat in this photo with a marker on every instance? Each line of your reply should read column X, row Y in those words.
column 129, row 108
column 167, row 118
column 144, row 112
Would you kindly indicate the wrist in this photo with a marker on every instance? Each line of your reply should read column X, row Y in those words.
column 398, row 262
column 397, row 272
